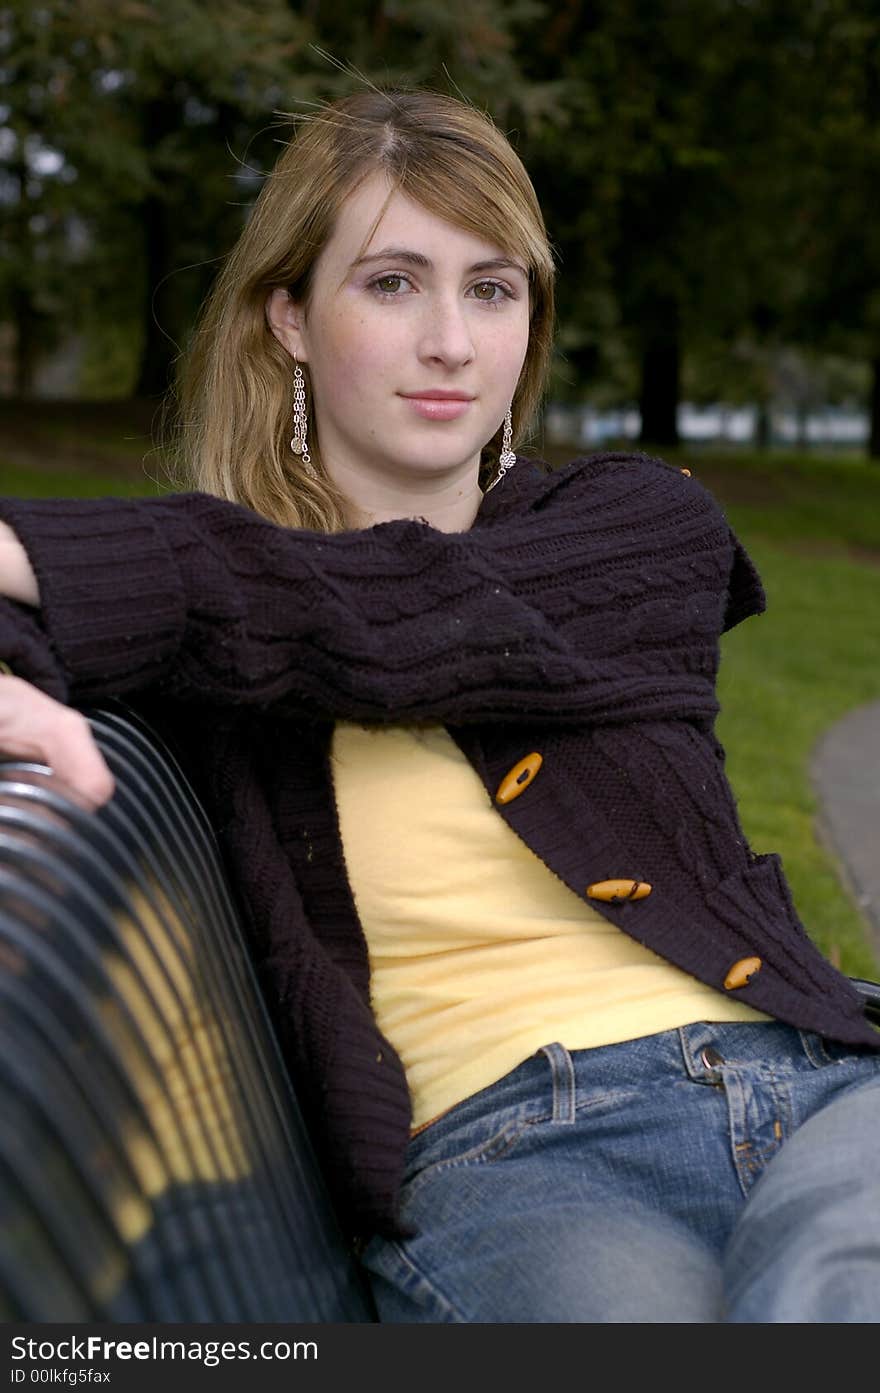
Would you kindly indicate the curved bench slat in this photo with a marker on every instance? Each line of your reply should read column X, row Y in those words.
column 154, row 1164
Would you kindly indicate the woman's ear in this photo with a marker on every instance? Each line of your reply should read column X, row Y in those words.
column 285, row 318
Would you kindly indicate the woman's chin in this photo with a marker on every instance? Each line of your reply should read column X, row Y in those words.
column 433, row 454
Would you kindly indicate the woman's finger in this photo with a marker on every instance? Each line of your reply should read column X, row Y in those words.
column 35, row 727
column 75, row 759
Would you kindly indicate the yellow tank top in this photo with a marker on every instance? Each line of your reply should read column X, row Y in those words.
column 479, row 954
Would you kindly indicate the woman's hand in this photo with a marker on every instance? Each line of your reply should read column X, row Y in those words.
column 35, row 727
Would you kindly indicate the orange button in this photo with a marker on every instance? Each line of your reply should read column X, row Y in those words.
column 741, row 973
column 518, row 778
column 614, row 891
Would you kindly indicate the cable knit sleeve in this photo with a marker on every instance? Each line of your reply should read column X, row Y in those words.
column 604, row 605
column 745, row 595
column 25, row 649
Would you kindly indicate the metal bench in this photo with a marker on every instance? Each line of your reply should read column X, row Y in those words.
column 154, row 1165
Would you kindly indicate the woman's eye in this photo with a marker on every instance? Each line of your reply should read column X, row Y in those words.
column 486, row 291
column 389, row 285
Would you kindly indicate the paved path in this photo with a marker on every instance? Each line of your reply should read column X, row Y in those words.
column 846, row 776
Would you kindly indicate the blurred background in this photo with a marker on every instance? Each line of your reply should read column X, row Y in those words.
column 708, row 171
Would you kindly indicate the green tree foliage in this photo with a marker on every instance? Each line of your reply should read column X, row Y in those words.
column 838, row 154
column 37, row 240
column 159, row 117
column 125, row 94
column 706, row 169
column 675, row 224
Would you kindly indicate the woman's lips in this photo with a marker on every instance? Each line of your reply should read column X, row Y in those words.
column 439, row 408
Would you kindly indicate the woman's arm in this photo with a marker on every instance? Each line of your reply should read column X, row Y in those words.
column 17, row 579
column 604, row 604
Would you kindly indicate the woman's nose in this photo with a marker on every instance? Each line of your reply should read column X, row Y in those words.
column 446, row 335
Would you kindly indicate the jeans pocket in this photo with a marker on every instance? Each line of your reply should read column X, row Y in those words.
column 475, row 1138
column 822, row 1051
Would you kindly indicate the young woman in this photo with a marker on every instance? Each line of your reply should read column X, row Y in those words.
column 565, row 1048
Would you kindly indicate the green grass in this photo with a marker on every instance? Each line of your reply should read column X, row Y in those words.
column 811, row 523
column 826, row 503
column 71, row 482
column 81, row 449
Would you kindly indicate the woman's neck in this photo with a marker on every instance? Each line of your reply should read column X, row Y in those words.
column 456, row 516
column 448, row 503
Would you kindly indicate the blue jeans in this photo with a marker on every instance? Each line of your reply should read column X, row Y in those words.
column 711, row 1173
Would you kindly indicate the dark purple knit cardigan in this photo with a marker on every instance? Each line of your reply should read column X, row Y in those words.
column 579, row 617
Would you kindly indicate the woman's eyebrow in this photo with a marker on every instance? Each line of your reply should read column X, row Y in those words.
column 496, row 263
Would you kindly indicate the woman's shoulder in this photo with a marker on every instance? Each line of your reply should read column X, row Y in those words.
column 644, row 483
column 626, row 466
column 609, row 492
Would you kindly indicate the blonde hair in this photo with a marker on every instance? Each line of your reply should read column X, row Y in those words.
column 235, row 391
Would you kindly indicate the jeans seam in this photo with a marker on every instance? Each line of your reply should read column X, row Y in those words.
column 424, row 1282
column 483, row 1154
column 814, row 1049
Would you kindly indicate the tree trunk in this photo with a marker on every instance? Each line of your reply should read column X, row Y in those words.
column 660, row 384
column 159, row 349
column 24, row 317
column 24, row 311
column 874, row 444
column 763, row 426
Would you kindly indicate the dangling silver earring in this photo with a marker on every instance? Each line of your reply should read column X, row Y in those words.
column 507, row 459
column 299, row 443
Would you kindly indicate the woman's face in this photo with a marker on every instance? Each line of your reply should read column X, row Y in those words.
column 414, row 345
